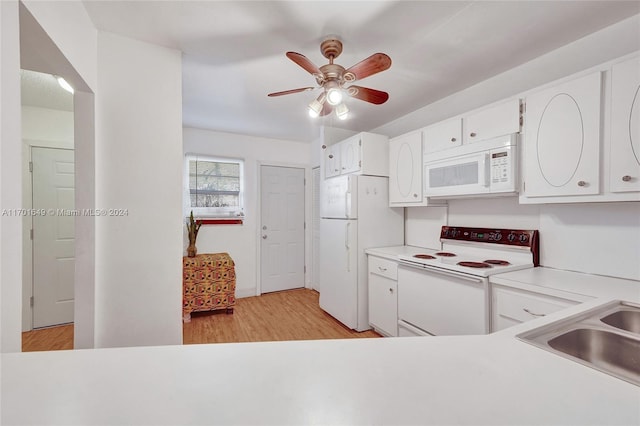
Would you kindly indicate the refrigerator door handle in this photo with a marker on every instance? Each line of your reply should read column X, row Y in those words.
column 346, row 245
column 347, row 204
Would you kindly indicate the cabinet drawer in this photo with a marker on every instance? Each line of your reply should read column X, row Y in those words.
column 522, row 307
column 383, row 267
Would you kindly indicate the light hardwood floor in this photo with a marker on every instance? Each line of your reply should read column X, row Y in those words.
column 285, row 315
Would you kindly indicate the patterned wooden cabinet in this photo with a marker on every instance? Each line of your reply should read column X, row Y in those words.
column 208, row 283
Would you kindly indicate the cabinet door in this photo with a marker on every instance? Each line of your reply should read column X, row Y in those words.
column 444, row 135
column 624, row 171
column 498, row 120
column 383, row 304
column 350, row 159
column 332, row 161
column 405, row 169
column 562, row 139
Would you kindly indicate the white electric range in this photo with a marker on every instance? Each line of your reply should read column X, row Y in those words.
column 446, row 292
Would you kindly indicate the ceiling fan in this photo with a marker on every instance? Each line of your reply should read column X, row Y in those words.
column 332, row 78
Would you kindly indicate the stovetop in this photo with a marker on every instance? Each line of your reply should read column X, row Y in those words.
column 480, row 251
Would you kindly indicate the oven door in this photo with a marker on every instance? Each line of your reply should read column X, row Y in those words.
column 458, row 176
column 442, row 302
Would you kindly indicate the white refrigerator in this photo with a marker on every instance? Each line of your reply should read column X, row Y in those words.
column 354, row 216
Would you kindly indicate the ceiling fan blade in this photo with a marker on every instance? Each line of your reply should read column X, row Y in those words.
column 368, row 95
column 374, row 64
column 288, row 92
column 304, row 62
column 326, row 109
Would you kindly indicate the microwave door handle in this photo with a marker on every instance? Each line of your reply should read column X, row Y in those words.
column 484, row 166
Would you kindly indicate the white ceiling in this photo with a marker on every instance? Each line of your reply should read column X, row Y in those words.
column 42, row 90
column 234, row 51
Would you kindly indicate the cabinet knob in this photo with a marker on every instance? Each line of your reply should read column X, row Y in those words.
column 264, row 237
column 391, row 290
column 582, row 183
column 415, row 195
column 382, row 269
column 324, row 147
column 626, row 178
column 453, row 139
column 473, row 134
column 330, row 155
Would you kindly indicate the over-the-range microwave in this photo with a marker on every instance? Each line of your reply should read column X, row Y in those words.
column 481, row 168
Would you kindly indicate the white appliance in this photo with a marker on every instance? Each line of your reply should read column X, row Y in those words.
column 355, row 216
column 446, row 292
column 482, row 168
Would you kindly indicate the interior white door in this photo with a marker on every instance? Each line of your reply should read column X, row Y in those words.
column 282, row 228
column 53, row 236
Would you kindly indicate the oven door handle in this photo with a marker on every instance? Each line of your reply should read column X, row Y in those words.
column 436, row 270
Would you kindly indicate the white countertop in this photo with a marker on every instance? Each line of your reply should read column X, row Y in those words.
column 393, row 252
column 471, row 380
column 569, row 284
column 461, row 380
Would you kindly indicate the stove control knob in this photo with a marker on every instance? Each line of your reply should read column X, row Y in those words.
column 524, row 238
column 497, row 236
column 511, row 237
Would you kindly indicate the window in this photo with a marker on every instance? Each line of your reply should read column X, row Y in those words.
column 214, row 187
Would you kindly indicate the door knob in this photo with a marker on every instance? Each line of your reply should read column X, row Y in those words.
column 264, row 237
column 264, row 227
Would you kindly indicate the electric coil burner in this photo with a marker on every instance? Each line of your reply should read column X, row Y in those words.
column 497, row 262
column 445, row 254
column 480, row 251
column 474, row 264
column 423, row 256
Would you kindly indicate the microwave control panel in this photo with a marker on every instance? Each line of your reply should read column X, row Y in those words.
column 502, row 168
column 500, row 165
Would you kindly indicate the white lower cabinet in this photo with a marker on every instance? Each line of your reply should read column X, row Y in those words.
column 510, row 307
column 383, row 295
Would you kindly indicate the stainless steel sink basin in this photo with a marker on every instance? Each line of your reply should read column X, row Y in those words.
column 625, row 320
column 606, row 338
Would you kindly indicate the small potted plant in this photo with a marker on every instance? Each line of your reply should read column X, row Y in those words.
column 192, row 228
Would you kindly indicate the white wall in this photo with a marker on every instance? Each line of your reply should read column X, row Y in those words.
column 46, row 128
column 241, row 241
column 10, row 179
column 139, row 168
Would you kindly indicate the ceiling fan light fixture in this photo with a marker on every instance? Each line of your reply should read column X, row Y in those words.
column 334, row 96
column 342, row 112
column 315, row 107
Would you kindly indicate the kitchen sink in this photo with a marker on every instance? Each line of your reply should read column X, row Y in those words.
column 606, row 338
column 625, row 320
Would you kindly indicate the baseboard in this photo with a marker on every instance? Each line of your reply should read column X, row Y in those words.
column 245, row 292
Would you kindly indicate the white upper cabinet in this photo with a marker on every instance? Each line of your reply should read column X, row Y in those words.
column 331, row 161
column 497, row 120
column 350, row 158
column 443, row 135
column 624, row 170
column 405, row 170
column 364, row 153
column 562, row 139
column 493, row 121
